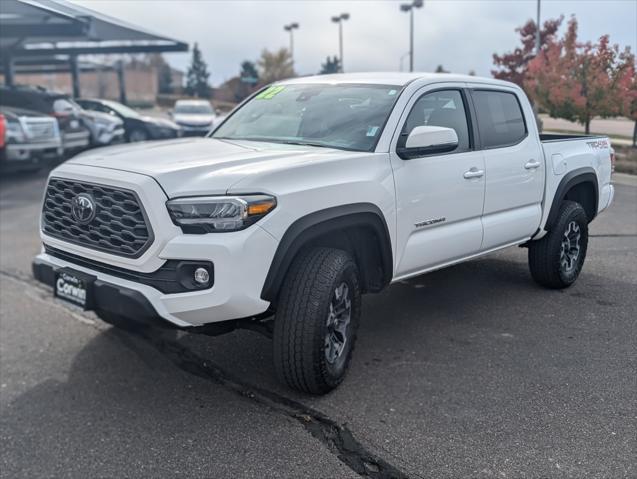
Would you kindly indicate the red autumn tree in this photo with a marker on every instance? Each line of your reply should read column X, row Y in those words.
column 578, row 81
column 512, row 66
column 629, row 106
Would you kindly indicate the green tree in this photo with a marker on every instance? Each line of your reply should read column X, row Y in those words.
column 331, row 65
column 197, row 75
column 247, row 81
column 275, row 66
column 249, row 73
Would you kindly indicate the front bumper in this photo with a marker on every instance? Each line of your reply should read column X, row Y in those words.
column 241, row 259
column 18, row 156
column 107, row 296
column 191, row 130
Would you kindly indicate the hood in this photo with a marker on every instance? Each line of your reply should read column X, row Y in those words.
column 193, row 119
column 15, row 113
column 102, row 117
column 162, row 122
column 203, row 166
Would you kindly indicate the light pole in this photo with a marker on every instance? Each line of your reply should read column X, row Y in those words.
column 401, row 60
column 409, row 7
column 290, row 28
column 537, row 30
column 340, row 19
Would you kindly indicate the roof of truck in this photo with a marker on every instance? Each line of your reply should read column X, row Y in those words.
column 394, row 78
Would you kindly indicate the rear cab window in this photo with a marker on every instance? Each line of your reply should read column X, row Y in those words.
column 500, row 118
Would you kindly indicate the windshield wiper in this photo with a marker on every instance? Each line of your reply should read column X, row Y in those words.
column 284, row 142
column 306, row 143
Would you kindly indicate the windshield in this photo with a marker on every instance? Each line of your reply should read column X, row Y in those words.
column 345, row 116
column 122, row 109
column 202, row 109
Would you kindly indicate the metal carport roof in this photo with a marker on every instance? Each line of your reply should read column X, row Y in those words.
column 45, row 32
column 53, row 27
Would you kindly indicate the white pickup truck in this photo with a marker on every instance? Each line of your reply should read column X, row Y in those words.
column 310, row 193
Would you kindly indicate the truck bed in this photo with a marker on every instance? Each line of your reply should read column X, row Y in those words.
column 546, row 137
column 565, row 154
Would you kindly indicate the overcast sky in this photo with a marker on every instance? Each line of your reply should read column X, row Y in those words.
column 462, row 35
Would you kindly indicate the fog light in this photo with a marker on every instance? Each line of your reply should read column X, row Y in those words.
column 202, row 276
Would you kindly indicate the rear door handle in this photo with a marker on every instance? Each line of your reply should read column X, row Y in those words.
column 532, row 164
column 473, row 173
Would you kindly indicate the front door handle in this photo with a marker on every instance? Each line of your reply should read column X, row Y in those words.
column 473, row 173
column 532, row 164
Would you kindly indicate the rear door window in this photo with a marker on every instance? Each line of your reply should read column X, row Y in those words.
column 500, row 118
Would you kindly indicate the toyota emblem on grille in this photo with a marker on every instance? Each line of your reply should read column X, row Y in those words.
column 83, row 208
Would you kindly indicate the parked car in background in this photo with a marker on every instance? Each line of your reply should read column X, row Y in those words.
column 136, row 126
column 105, row 129
column 195, row 117
column 28, row 139
column 75, row 134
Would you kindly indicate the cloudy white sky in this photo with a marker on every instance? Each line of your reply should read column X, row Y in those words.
column 459, row 34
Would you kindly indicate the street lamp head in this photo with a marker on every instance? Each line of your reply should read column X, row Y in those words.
column 405, row 7
column 418, row 3
column 294, row 25
column 345, row 16
column 336, row 19
column 290, row 27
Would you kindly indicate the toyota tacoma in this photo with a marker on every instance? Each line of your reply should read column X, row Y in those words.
column 311, row 193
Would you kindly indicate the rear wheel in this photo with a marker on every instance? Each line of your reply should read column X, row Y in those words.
column 557, row 259
column 317, row 320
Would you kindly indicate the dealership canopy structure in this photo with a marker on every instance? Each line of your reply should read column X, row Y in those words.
column 40, row 36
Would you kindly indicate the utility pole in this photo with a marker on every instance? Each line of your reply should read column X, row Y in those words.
column 290, row 28
column 537, row 28
column 409, row 7
column 340, row 19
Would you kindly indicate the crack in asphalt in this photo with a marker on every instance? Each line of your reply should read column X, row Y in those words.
column 337, row 438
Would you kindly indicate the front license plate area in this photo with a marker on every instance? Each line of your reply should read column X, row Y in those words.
column 75, row 287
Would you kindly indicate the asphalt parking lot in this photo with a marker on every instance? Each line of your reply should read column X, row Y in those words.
column 473, row 371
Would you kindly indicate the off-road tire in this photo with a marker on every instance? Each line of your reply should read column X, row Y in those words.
column 300, row 326
column 545, row 254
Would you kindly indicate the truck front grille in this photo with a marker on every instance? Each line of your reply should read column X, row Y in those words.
column 41, row 129
column 95, row 216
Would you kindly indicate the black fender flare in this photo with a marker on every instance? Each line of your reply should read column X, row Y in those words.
column 318, row 223
column 571, row 179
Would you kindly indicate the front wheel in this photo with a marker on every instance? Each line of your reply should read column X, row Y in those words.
column 557, row 259
column 317, row 320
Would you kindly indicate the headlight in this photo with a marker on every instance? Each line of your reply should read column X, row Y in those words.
column 14, row 132
column 209, row 214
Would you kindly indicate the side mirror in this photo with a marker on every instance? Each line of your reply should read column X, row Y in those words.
column 428, row 140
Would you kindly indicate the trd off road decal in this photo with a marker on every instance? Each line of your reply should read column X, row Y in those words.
column 430, row 222
column 597, row 144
